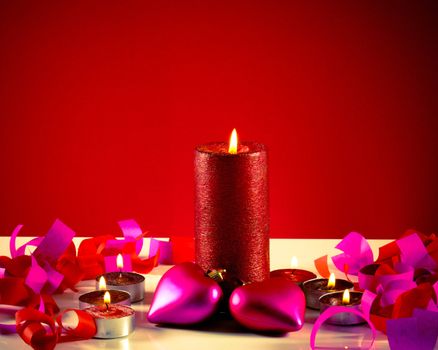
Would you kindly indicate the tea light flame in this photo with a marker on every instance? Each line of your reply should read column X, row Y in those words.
column 102, row 283
column 346, row 297
column 107, row 298
column 119, row 261
column 294, row 262
column 332, row 281
column 233, row 142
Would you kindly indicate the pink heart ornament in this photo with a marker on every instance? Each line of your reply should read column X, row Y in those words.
column 275, row 305
column 184, row 296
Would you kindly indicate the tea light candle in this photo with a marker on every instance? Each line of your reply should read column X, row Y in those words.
column 346, row 298
column 315, row 288
column 112, row 321
column 96, row 297
column 297, row 276
column 130, row 282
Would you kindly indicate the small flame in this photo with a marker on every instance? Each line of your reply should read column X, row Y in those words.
column 102, row 283
column 119, row 261
column 332, row 281
column 346, row 297
column 294, row 262
column 233, row 142
column 107, row 298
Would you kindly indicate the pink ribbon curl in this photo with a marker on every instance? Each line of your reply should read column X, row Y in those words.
column 366, row 304
column 356, row 254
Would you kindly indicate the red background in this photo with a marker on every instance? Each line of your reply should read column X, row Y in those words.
column 102, row 104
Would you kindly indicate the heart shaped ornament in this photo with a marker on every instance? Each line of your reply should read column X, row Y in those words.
column 274, row 305
column 184, row 296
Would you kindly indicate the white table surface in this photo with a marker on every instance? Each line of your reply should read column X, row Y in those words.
column 221, row 334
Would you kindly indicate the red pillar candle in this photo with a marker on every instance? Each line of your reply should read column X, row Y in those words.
column 231, row 209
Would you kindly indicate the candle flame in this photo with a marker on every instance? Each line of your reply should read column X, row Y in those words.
column 119, row 261
column 332, row 281
column 102, row 283
column 107, row 298
column 294, row 262
column 346, row 297
column 233, row 142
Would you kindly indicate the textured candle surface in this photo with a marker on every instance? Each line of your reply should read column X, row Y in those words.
column 295, row 275
column 96, row 297
column 122, row 278
column 113, row 311
column 231, row 210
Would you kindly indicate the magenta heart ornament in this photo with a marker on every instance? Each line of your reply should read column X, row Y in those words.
column 184, row 296
column 275, row 305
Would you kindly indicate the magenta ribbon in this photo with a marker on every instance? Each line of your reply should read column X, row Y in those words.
column 42, row 277
column 390, row 286
column 418, row 332
column 131, row 232
column 54, row 279
column 45, row 279
column 165, row 248
column 37, row 276
column 336, row 310
column 433, row 305
column 366, row 304
column 12, row 246
column 54, row 243
column 356, row 254
column 414, row 253
column 21, row 250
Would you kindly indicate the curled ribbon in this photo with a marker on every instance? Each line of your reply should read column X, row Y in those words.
column 98, row 254
column 404, row 278
column 336, row 310
column 76, row 324
column 356, row 254
column 414, row 253
column 26, row 281
column 30, row 326
column 176, row 250
column 416, row 332
column 130, row 248
column 40, row 271
column 366, row 306
column 70, row 325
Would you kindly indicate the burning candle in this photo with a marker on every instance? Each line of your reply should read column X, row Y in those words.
column 345, row 298
column 231, row 208
column 130, row 282
column 96, row 297
column 297, row 276
column 315, row 288
column 112, row 321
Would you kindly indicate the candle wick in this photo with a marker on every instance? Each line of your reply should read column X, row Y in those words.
column 120, row 273
column 107, row 307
